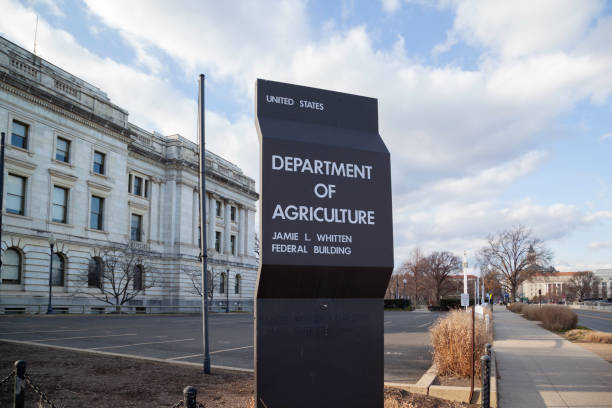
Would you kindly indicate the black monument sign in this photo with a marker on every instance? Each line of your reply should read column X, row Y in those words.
column 326, row 248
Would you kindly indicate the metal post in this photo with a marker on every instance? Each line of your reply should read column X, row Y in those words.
column 472, row 354
column 488, row 349
column 203, row 227
column 485, row 380
column 2, row 136
column 49, row 307
column 189, row 397
column 19, row 392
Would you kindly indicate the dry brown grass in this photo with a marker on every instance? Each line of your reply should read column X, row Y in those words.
column 589, row 336
column 553, row 317
column 451, row 338
column 516, row 307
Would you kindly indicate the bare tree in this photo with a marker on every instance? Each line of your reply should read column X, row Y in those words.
column 583, row 285
column 515, row 255
column 413, row 270
column 438, row 267
column 119, row 274
column 195, row 275
column 492, row 283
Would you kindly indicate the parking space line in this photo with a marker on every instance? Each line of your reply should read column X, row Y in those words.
column 46, row 331
column 184, row 357
column 231, row 349
column 139, row 344
column 83, row 337
column 424, row 324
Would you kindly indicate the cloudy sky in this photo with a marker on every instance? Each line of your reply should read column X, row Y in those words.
column 496, row 113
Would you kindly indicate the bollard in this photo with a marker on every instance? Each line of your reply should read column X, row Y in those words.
column 189, row 397
column 485, row 376
column 488, row 349
column 19, row 395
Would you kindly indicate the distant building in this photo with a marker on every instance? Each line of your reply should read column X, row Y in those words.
column 554, row 285
column 76, row 168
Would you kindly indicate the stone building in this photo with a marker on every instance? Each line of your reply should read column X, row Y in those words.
column 554, row 285
column 77, row 169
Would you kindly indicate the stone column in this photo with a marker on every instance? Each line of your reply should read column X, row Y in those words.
column 241, row 228
column 228, row 229
column 212, row 216
column 247, row 232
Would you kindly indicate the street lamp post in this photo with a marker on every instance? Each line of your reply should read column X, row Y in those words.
column 405, row 281
column 51, row 244
column 227, row 292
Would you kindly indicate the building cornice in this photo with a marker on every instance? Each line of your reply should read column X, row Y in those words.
column 33, row 93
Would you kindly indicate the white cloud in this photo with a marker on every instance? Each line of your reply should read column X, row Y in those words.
column 390, row 6
column 597, row 216
column 522, row 27
column 600, row 244
column 606, row 136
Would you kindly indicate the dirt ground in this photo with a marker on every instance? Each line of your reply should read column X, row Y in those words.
column 602, row 350
column 74, row 379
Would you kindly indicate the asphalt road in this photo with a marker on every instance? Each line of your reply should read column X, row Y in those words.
column 592, row 319
column 179, row 338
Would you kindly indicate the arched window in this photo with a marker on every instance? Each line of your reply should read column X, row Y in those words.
column 57, row 269
column 237, row 284
column 95, row 273
column 11, row 266
column 222, row 283
column 138, row 277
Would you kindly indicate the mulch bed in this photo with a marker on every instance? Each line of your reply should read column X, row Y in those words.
column 80, row 379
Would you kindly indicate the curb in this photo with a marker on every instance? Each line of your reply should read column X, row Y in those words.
column 425, row 386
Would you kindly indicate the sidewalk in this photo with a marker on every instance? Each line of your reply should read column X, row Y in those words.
column 537, row 368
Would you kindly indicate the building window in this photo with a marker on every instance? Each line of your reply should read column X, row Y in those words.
column 138, row 278
column 60, row 204
column 136, row 227
column 138, row 186
column 233, row 244
column 218, row 208
column 233, row 214
column 99, row 162
column 15, row 194
column 97, row 209
column 11, row 266
column 237, row 284
column 95, row 273
column 604, row 290
column 19, row 135
column 218, row 241
column 62, row 150
column 57, row 270
column 222, row 282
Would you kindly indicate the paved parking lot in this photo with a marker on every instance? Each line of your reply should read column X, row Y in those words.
column 179, row 338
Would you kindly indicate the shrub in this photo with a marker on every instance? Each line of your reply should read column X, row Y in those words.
column 396, row 303
column 516, row 307
column 553, row 317
column 451, row 338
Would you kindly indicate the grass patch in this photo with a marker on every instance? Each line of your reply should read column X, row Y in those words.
column 451, row 338
column 588, row 336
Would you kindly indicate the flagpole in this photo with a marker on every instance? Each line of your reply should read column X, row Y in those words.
column 203, row 246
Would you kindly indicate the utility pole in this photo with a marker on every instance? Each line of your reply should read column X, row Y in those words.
column 203, row 227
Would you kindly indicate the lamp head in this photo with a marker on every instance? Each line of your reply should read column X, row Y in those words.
column 51, row 239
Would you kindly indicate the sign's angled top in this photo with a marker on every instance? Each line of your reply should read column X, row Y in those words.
column 325, row 186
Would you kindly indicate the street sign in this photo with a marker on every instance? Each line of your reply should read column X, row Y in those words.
column 465, row 299
column 326, row 248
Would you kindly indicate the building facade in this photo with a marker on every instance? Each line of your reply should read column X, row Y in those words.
column 77, row 169
column 554, row 285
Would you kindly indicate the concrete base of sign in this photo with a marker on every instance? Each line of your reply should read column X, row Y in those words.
column 319, row 353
